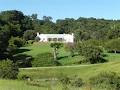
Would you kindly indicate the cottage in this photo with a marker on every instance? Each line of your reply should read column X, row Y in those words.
column 65, row 38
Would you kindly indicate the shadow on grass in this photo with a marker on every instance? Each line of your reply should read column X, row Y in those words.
column 59, row 58
column 23, row 60
column 22, row 50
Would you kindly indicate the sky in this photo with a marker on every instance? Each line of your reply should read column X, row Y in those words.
column 60, row 9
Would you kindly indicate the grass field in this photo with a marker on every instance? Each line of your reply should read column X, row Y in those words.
column 17, row 85
column 83, row 71
column 38, row 48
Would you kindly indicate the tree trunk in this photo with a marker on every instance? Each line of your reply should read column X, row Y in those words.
column 55, row 54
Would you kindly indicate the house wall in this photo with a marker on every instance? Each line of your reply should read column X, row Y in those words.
column 67, row 38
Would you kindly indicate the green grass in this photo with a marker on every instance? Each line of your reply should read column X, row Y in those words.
column 38, row 48
column 84, row 71
column 113, row 57
column 17, row 85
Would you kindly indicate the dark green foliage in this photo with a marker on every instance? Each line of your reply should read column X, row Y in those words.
column 29, row 35
column 23, row 60
column 108, row 80
column 16, row 42
column 93, row 54
column 64, row 80
column 44, row 59
column 55, row 47
column 29, row 42
column 4, row 37
column 8, row 70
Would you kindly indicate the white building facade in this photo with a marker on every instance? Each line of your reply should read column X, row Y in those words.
column 65, row 38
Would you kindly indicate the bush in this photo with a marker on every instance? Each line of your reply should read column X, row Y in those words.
column 93, row 54
column 22, row 60
column 29, row 42
column 16, row 42
column 113, row 45
column 29, row 35
column 73, row 81
column 108, row 80
column 43, row 59
column 8, row 70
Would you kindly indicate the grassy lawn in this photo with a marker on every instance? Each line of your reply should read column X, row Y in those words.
column 65, row 58
column 17, row 85
column 113, row 57
column 38, row 48
column 83, row 71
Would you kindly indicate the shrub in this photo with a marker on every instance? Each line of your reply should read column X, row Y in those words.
column 22, row 60
column 29, row 35
column 108, row 80
column 113, row 45
column 43, row 59
column 29, row 42
column 93, row 54
column 16, row 42
column 8, row 70
column 73, row 81
column 77, row 82
column 70, row 47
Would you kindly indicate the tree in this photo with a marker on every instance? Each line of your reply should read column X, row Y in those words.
column 55, row 47
column 47, row 18
column 13, row 19
column 14, row 44
column 17, row 42
column 93, row 54
column 8, row 69
column 29, row 35
column 4, row 37
column 113, row 45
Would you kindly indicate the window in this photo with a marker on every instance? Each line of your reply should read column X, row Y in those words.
column 49, row 39
column 54, row 39
column 60, row 39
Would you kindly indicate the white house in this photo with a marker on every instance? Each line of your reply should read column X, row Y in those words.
column 65, row 38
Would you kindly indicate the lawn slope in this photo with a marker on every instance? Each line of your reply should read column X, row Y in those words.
column 84, row 71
